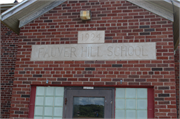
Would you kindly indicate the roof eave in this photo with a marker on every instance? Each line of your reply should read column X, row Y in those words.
column 16, row 9
column 13, row 11
column 155, row 8
column 26, row 11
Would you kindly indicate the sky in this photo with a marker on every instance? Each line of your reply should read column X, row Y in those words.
column 8, row 1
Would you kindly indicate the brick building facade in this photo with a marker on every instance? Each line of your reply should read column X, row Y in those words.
column 8, row 58
column 123, row 22
column 177, row 76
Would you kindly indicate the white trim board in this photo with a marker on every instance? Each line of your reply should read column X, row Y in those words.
column 154, row 8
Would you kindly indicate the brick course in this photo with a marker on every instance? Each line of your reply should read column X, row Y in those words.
column 9, row 41
column 123, row 22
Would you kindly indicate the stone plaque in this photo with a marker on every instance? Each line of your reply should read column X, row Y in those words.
column 106, row 51
column 91, row 36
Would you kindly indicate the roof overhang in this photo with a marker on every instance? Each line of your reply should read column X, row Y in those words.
column 168, row 9
column 26, row 11
column 4, row 7
column 159, row 7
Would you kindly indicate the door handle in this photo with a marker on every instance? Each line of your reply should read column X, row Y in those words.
column 65, row 101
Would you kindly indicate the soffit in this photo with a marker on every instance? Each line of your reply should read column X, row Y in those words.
column 4, row 7
column 168, row 9
column 11, row 18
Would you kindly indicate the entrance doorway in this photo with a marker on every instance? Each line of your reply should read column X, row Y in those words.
column 93, row 102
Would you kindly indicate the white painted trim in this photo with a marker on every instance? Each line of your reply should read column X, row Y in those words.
column 176, row 3
column 16, row 9
column 38, row 13
column 152, row 8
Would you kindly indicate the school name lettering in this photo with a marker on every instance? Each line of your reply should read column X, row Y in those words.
column 111, row 51
column 91, row 51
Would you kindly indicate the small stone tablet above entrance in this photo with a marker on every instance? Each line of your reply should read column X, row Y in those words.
column 91, row 36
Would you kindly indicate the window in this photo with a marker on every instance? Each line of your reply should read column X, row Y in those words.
column 48, row 103
column 133, row 103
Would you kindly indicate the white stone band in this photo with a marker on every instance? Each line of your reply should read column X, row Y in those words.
column 106, row 51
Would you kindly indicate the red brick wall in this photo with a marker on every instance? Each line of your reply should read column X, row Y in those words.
column 123, row 22
column 8, row 57
column 177, row 64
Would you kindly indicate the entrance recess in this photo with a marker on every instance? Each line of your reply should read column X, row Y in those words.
column 88, row 103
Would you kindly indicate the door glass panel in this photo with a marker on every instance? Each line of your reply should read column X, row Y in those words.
column 88, row 107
